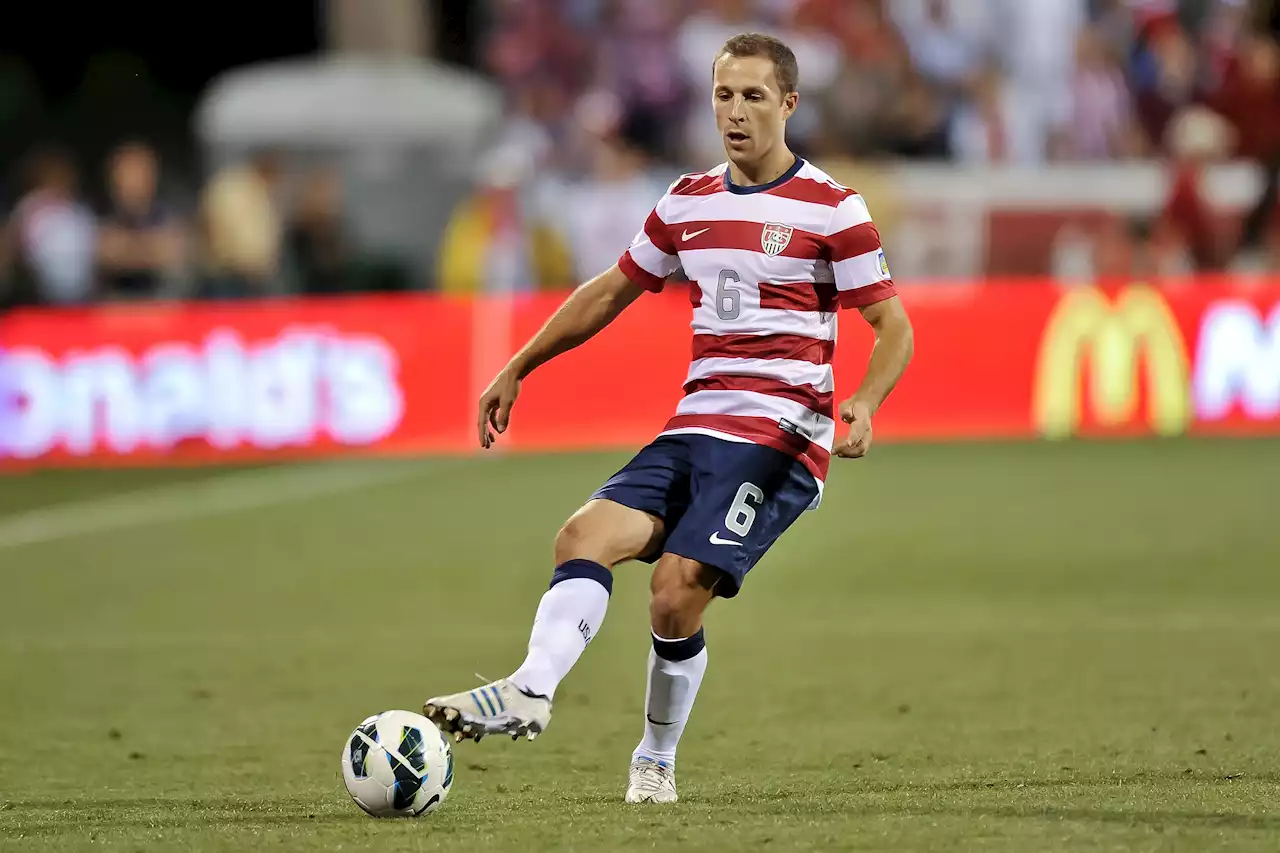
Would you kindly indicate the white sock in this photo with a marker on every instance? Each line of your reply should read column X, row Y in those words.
column 569, row 615
column 676, row 668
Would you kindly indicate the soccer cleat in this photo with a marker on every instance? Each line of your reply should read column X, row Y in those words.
column 497, row 708
column 651, row 782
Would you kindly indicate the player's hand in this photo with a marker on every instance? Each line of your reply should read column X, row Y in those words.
column 495, row 406
column 857, row 415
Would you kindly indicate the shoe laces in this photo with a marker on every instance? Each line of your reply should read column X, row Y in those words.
column 653, row 774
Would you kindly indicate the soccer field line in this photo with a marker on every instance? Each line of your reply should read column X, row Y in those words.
column 218, row 495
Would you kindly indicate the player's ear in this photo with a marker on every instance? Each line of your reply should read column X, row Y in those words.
column 789, row 103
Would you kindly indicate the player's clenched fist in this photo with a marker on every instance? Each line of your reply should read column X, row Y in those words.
column 858, row 416
column 495, row 405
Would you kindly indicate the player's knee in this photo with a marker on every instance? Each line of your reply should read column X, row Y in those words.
column 575, row 541
column 584, row 538
column 605, row 533
column 680, row 591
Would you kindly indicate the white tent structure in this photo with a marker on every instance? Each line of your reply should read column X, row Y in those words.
column 407, row 136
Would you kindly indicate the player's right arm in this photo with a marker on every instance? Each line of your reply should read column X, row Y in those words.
column 592, row 306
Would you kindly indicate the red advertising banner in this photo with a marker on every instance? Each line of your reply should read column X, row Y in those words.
column 143, row 384
column 234, row 381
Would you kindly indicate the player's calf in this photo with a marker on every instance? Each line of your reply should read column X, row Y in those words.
column 680, row 591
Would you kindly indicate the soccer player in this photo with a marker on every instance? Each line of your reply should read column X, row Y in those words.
column 774, row 247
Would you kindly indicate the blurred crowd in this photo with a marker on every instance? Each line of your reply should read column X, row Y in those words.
column 255, row 229
column 971, row 81
column 607, row 102
column 608, row 99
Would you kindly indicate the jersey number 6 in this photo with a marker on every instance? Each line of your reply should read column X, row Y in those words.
column 741, row 514
column 728, row 299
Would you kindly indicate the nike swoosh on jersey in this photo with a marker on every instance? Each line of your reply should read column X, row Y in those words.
column 686, row 236
column 717, row 540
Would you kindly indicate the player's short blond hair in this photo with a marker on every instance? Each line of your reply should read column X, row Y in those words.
column 785, row 68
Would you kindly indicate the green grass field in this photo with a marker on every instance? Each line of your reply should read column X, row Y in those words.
column 997, row 647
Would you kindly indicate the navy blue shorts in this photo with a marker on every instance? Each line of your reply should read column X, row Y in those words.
column 723, row 503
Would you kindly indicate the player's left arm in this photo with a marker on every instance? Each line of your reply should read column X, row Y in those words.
column 895, row 344
column 863, row 282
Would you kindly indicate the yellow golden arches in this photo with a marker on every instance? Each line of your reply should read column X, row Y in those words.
column 1111, row 338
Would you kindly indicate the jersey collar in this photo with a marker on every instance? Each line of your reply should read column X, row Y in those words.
column 776, row 182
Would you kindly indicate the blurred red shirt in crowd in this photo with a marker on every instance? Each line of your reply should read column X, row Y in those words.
column 1249, row 98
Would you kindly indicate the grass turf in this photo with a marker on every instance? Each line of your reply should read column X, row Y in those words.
column 999, row 647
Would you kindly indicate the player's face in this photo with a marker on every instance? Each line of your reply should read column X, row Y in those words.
column 751, row 110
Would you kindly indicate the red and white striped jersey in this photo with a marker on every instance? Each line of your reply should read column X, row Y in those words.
column 770, row 265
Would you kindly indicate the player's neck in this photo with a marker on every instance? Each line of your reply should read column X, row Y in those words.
column 766, row 170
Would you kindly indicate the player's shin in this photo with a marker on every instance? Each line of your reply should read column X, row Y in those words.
column 676, row 668
column 569, row 615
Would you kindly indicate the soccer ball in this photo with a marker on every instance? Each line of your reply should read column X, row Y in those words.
column 397, row 764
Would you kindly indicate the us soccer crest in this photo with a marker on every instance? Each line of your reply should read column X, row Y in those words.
column 774, row 238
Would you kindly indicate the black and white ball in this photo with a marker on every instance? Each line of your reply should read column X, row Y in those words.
column 398, row 764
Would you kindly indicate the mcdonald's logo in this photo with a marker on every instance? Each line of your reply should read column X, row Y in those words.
column 1113, row 341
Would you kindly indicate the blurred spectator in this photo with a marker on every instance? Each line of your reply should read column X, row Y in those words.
column 1250, row 101
column 531, row 38
column 947, row 49
column 51, row 235
column 865, row 32
column 1225, row 27
column 954, row 43
column 1035, row 44
column 1125, row 248
column 984, row 126
column 1196, row 138
column 857, row 107
column 599, row 215
column 1164, row 78
column 1115, row 25
column 315, row 237
column 141, row 243
column 495, row 241
column 916, row 123
column 1160, row 251
column 537, row 122
column 874, row 68
column 1102, row 125
column 636, row 61
column 240, row 213
column 1114, row 247
column 1249, row 98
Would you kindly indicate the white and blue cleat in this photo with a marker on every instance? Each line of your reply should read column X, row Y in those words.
column 497, row 708
column 651, row 782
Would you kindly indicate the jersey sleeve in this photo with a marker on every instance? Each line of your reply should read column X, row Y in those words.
column 652, row 255
column 857, row 259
